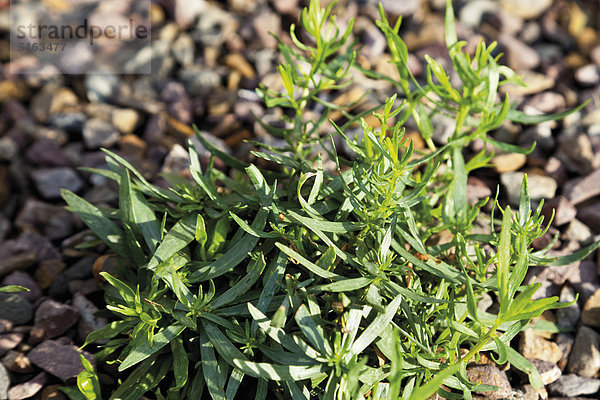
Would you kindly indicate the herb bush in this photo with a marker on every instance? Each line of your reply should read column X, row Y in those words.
column 302, row 282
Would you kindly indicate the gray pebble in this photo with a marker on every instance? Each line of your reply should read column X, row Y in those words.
column 15, row 309
column 49, row 181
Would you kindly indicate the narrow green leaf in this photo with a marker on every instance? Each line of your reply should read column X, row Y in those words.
column 239, row 289
column 178, row 237
column 314, row 333
column 450, row 28
column 145, row 350
column 91, row 215
column 180, row 363
column 522, row 118
column 377, row 326
column 278, row 372
column 503, row 267
column 315, row 269
column 213, row 376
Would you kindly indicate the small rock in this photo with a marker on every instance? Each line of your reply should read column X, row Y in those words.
column 51, row 101
column 4, row 382
column 52, row 319
column 565, row 344
column 265, row 24
column 579, row 151
column 101, row 88
column 80, row 270
column 21, row 278
column 53, row 392
column 488, row 374
column 199, row 81
column 405, row 7
column 49, row 181
column 71, row 122
column 546, row 102
column 533, row 345
column 591, row 310
column 287, row 6
column 179, row 104
column 17, row 362
column 588, row 75
column 183, row 49
column 582, row 189
column 508, row 162
column 8, row 148
column 571, row 385
column 585, row 355
column 60, row 360
column 590, row 215
column 556, row 169
column 584, row 279
column 443, row 128
column 9, row 341
column 47, row 153
column 15, row 309
column 528, row 392
column 579, row 232
column 47, row 271
column 51, row 220
column 520, row 56
column 125, row 120
column 473, row 11
column 5, row 325
column 549, row 372
column 177, row 161
column 564, row 211
column 27, row 389
column 568, row 316
column 540, row 187
column 88, row 322
column 526, row 9
column 99, row 133
column 239, row 63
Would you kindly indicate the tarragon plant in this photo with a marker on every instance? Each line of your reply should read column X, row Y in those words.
column 301, row 281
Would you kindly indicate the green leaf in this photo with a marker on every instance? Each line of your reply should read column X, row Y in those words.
column 377, row 326
column 315, row 269
column 143, row 379
column 196, row 172
column 145, row 350
column 226, row 158
column 178, row 237
column 524, row 202
column 180, row 363
column 503, row 266
column 310, row 329
column 450, row 29
column 108, row 332
column 278, row 372
column 345, row 285
column 13, row 289
column 522, row 118
column 213, row 376
column 239, row 289
column 103, row 227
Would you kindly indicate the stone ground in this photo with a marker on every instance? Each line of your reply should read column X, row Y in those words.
column 209, row 58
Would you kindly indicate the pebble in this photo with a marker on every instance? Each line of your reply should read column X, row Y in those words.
column 571, row 385
column 565, row 344
column 540, row 187
column 590, row 215
column 591, row 311
column 99, row 133
column 59, row 359
column 82, row 269
column 564, row 211
column 125, row 119
column 53, row 392
column 27, row 389
column 88, row 321
column 473, row 11
column 581, row 189
column 584, row 279
column 508, row 162
column 71, row 122
column 488, row 374
column 9, row 341
column 4, row 382
column 579, row 151
column 549, row 371
column 52, row 319
column 183, row 49
column 101, row 88
column 527, row 9
column 51, row 220
column 265, row 25
column 49, row 181
column 47, row 153
column 585, row 355
column 519, row 56
column 588, row 75
column 568, row 316
column 50, row 101
column 546, row 102
column 15, row 308
column 532, row 345
column 287, row 6
column 16, row 361
column 579, row 232
column 177, row 161
column 47, row 271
